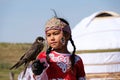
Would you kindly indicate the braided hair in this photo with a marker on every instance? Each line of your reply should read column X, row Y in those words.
column 72, row 57
column 47, row 54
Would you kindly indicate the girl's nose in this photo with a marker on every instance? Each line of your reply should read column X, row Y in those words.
column 52, row 38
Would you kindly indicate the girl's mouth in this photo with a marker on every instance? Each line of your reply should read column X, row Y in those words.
column 53, row 43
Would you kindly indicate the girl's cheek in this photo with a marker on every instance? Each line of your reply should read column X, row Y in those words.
column 47, row 41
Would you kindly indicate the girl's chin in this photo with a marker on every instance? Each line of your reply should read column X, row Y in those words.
column 54, row 47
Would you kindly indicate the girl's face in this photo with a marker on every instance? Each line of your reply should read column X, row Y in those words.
column 54, row 38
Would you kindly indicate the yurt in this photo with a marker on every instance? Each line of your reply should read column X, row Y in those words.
column 97, row 40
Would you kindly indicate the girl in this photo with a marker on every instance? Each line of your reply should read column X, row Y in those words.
column 57, row 63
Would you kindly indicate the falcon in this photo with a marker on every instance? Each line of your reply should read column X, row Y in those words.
column 31, row 54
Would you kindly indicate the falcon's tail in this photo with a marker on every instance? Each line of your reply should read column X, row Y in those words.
column 18, row 64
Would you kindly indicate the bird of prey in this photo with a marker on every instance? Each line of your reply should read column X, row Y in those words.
column 31, row 54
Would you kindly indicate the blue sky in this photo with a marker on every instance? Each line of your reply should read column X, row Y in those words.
column 21, row 21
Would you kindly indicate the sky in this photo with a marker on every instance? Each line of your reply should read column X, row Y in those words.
column 21, row 21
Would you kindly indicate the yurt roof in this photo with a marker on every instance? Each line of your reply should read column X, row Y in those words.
column 101, row 30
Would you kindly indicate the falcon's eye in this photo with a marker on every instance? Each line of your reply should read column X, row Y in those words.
column 39, row 40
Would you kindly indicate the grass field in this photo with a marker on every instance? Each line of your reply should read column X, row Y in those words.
column 11, row 52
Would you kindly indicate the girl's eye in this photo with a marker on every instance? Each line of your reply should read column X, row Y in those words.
column 56, row 33
column 48, row 35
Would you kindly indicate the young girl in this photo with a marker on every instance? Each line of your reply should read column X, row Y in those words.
column 57, row 63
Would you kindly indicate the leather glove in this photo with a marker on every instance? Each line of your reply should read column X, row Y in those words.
column 38, row 67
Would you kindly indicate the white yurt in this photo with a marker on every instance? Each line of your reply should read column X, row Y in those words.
column 97, row 40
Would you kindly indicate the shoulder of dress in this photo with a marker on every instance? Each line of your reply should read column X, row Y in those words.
column 77, row 58
column 41, row 55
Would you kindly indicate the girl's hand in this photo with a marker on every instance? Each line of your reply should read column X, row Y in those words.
column 38, row 67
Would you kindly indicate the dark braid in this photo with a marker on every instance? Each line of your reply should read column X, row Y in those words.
column 47, row 54
column 72, row 57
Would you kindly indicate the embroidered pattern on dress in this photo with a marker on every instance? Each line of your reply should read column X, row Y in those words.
column 62, row 61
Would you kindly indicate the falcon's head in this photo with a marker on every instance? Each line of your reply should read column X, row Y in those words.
column 40, row 39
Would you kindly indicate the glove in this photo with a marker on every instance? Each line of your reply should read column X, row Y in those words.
column 38, row 67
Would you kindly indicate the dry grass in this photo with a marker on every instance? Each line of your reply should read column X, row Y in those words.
column 9, row 54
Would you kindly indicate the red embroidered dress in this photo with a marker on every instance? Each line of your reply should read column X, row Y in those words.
column 60, row 67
